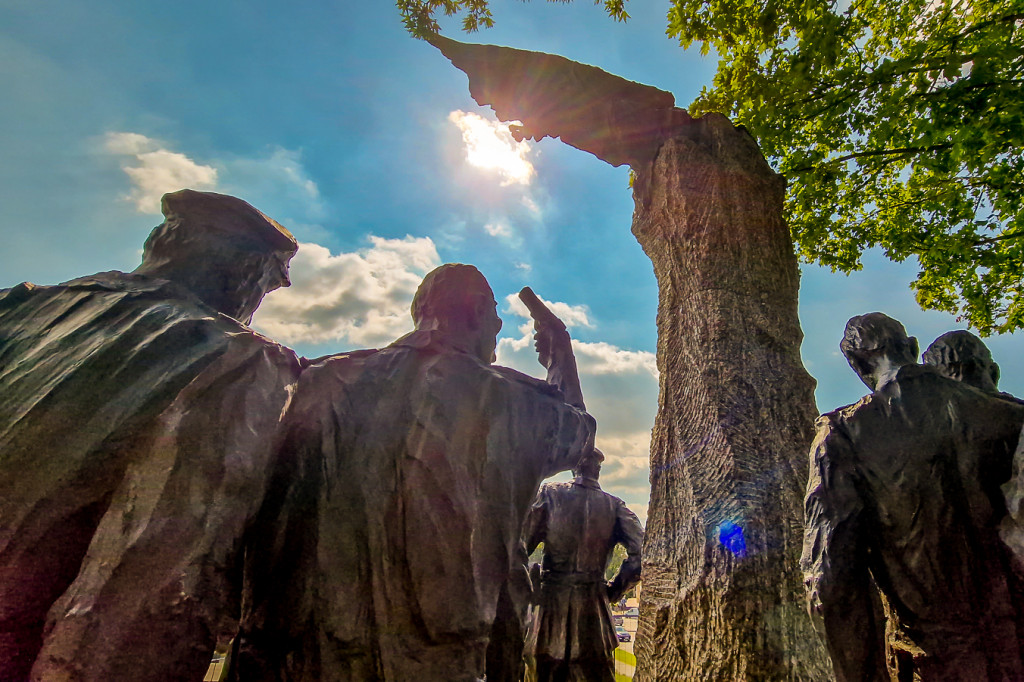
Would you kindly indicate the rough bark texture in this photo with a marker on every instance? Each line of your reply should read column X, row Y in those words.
column 736, row 408
column 722, row 596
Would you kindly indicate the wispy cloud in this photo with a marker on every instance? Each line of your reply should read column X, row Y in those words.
column 571, row 315
column 490, row 146
column 620, row 387
column 277, row 178
column 156, row 170
column 498, row 230
column 359, row 299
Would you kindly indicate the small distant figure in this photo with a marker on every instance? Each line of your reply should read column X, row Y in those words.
column 902, row 510
column 572, row 637
column 962, row 356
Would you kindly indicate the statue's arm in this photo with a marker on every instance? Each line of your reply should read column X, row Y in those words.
column 630, row 534
column 554, row 348
column 835, row 564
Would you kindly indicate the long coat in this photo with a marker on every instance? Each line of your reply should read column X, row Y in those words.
column 904, row 494
column 136, row 436
column 579, row 525
column 412, row 469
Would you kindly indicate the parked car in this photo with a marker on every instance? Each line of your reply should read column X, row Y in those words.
column 622, row 634
column 633, row 612
column 617, row 618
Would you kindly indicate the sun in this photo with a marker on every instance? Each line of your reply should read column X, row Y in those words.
column 490, row 146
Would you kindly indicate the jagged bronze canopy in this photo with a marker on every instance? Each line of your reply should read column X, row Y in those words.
column 616, row 120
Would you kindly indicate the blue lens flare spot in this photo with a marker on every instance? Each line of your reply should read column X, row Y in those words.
column 731, row 536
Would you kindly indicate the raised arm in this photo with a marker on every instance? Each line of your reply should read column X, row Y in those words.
column 554, row 349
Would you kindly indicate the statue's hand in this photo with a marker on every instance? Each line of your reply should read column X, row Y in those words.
column 554, row 348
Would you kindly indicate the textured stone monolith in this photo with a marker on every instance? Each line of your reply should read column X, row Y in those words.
column 722, row 597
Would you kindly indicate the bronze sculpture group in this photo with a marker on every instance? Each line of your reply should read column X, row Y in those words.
column 137, row 414
column 908, row 576
column 171, row 480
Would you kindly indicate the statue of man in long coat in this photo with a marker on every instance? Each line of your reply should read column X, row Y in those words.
column 572, row 637
column 137, row 422
column 409, row 471
column 904, row 498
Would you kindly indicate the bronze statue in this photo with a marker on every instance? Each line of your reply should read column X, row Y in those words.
column 902, row 510
column 137, row 415
column 572, row 637
column 962, row 356
column 407, row 474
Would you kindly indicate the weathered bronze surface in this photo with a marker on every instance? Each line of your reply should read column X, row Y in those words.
column 137, row 422
column 572, row 636
column 904, row 499
column 405, row 478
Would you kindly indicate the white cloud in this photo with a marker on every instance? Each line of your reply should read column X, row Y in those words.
column 156, row 170
column 128, row 143
column 490, row 146
column 498, row 230
column 604, row 358
column 571, row 315
column 276, row 182
column 620, row 387
column 360, row 299
column 531, row 206
column 525, row 267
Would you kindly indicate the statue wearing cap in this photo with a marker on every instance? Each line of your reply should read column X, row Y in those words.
column 137, row 426
column 906, row 573
column 572, row 636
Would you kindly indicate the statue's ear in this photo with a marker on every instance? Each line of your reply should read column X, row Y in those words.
column 993, row 371
column 915, row 348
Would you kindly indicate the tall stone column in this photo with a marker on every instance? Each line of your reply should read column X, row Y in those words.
column 722, row 594
column 722, row 597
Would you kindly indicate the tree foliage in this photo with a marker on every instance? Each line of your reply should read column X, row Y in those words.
column 420, row 15
column 615, row 562
column 898, row 124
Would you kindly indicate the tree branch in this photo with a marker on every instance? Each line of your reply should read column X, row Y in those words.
column 905, row 151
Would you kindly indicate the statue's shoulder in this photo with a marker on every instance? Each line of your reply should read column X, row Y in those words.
column 526, row 381
column 555, row 489
column 115, row 280
column 16, row 295
column 338, row 359
column 616, row 502
column 832, row 437
column 1009, row 398
column 145, row 292
column 346, row 367
column 837, row 418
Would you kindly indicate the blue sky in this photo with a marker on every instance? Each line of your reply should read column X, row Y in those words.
column 326, row 116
